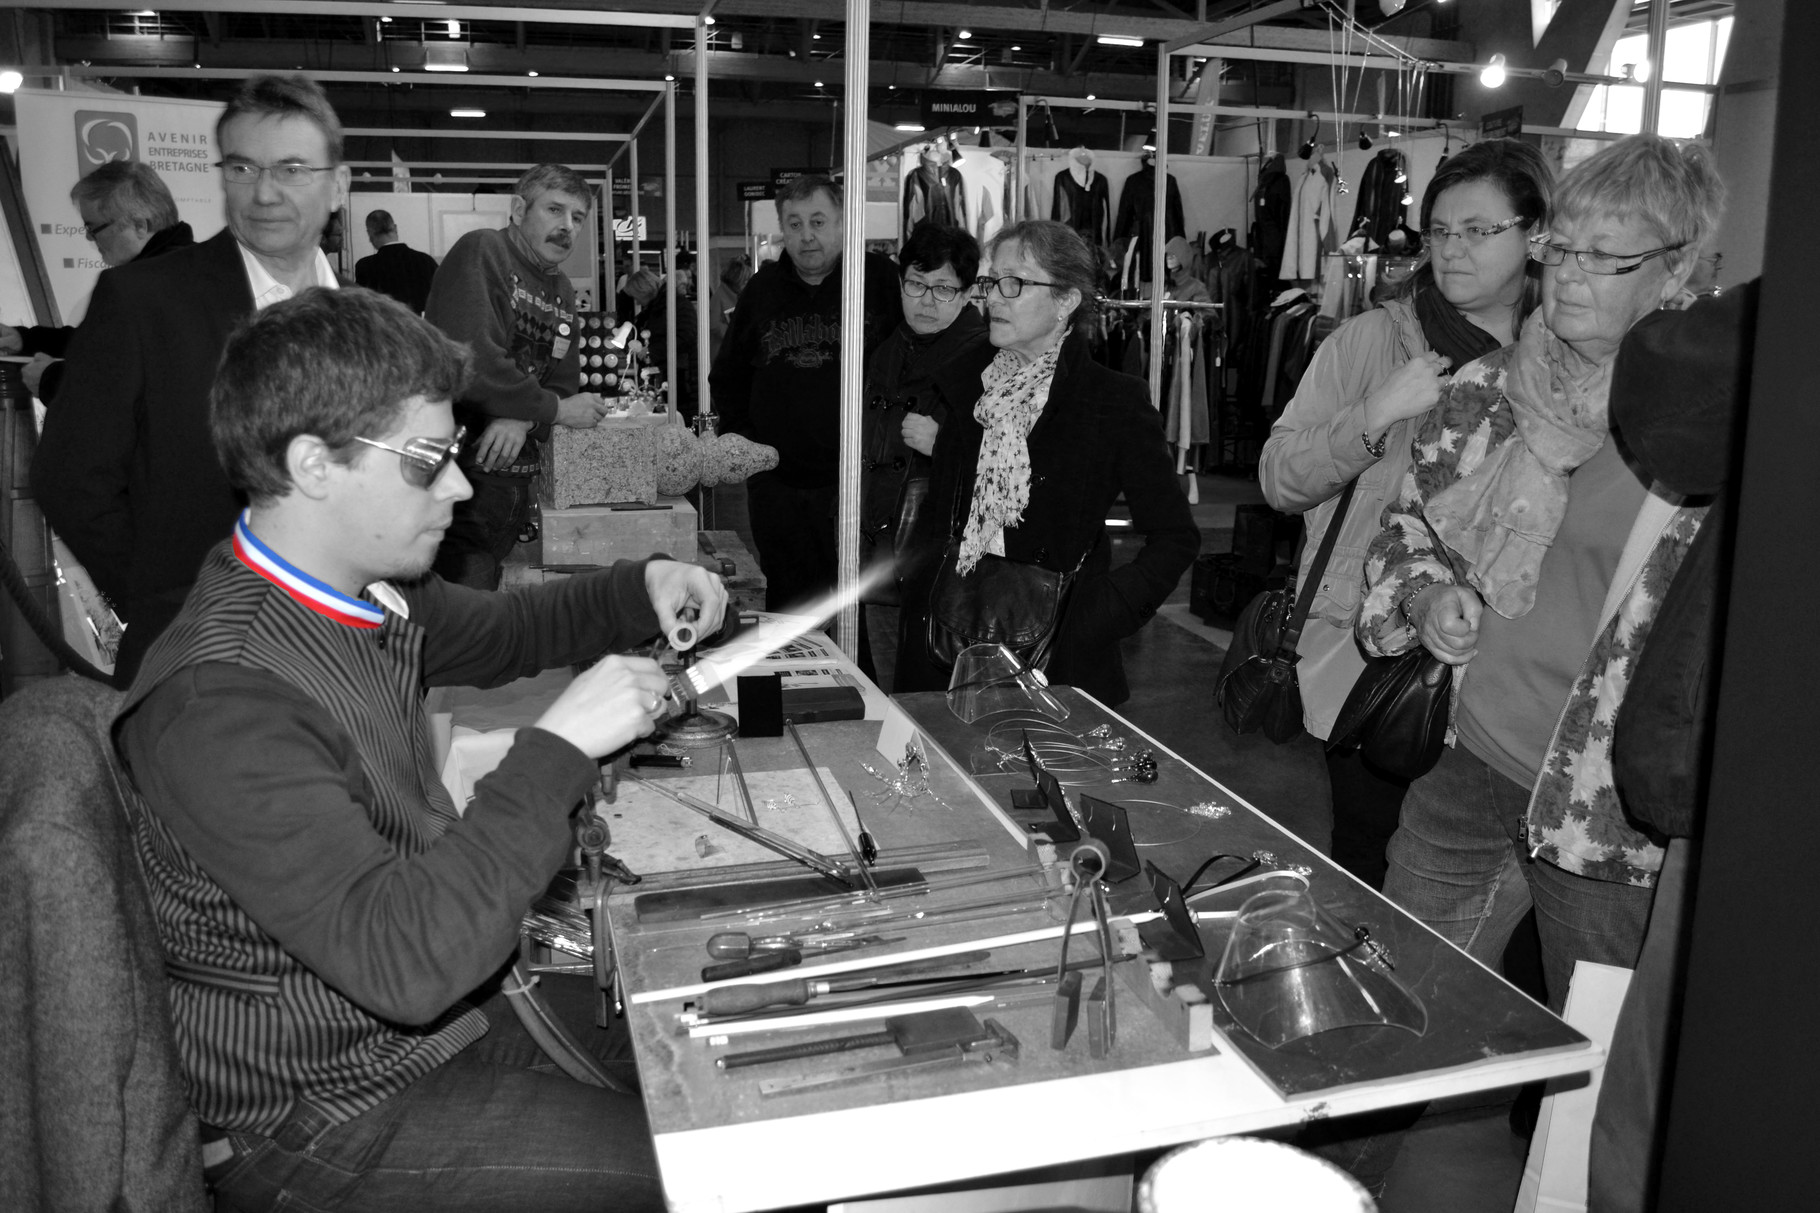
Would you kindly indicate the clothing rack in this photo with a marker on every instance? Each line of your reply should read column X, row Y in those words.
column 1175, row 305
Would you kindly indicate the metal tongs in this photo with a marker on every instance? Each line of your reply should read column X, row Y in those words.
column 768, row 839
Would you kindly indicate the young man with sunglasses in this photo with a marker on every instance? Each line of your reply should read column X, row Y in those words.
column 330, row 918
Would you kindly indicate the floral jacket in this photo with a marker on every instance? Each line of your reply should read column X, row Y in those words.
column 1575, row 819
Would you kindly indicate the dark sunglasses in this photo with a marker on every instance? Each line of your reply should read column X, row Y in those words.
column 421, row 460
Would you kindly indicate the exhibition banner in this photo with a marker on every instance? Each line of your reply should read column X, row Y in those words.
column 65, row 136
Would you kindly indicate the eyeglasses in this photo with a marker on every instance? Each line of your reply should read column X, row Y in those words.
column 1473, row 237
column 421, row 460
column 288, row 174
column 942, row 291
column 1010, row 286
column 1544, row 253
column 94, row 230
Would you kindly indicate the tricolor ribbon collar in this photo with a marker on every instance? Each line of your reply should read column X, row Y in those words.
column 325, row 600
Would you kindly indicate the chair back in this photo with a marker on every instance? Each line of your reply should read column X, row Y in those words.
column 93, row 1109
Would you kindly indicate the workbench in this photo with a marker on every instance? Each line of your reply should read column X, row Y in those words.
column 724, row 1147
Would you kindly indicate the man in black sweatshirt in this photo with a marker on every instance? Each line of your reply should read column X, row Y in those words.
column 776, row 380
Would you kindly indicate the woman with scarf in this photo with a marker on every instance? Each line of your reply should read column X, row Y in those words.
column 1036, row 450
column 1525, row 551
column 1352, row 418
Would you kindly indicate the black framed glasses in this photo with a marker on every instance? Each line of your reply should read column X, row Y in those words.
column 1472, row 237
column 942, row 291
column 1010, row 286
column 289, row 174
column 93, row 230
column 421, row 460
column 1595, row 262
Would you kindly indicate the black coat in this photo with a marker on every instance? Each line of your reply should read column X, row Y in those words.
column 400, row 271
column 1098, row 437
column 126, row 470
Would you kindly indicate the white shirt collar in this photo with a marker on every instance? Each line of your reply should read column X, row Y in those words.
column 267, row 290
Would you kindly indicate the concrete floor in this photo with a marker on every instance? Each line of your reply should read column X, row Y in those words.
column 1461, row 1158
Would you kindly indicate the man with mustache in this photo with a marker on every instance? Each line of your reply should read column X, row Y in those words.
column 504, row 294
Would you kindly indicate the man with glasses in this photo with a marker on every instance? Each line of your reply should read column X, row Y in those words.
column 776, row 380
column 127, row 214
column 125, row 471
column 334, row 923
column 504, row 293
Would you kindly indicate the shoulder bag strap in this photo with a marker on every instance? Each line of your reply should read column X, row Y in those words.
column 1292, row 633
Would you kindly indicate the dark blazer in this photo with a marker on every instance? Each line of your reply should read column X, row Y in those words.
column 1098, row 437
column 126, row 470
column 400, row 271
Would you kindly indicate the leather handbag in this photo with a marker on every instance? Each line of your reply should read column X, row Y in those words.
column 1257, row 690
column 1001, row 601
column 1396, row 714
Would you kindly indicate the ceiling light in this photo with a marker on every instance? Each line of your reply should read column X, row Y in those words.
column 668, row 77
column 1493, row 75
column 527, row 73
column 965, row 34
column 1091, row 97
column 143, row 12
column 707, row 20
column 817, row 37
column 454, row 28
column 912, row 127
column 1119, row 40
column 1017, row 48
column 385, row 21
column 1637, row 71
column 467, row 111
column 10, row 81
column 394, row 69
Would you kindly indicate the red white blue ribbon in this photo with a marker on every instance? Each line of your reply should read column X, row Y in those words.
column 324, row 599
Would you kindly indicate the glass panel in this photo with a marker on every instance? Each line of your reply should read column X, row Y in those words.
column 1633, row 49
column 1623, row 112
column 1722, row 37
column 1683, row 113
column 1685, row 57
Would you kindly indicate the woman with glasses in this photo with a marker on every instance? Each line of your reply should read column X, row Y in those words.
column 1352, row 418
column 1036, row 450
column 905, row 405
column 1524, row 551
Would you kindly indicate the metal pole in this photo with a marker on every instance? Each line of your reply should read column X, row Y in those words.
column 634, row 206
column 703, row 262
column 853, row 310
column 669, row 255
column 612, row 266
column 1017, row 168
column 1658, row 47
column 1157, row 332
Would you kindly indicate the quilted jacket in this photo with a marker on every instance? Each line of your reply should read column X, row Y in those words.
column 1575, row 819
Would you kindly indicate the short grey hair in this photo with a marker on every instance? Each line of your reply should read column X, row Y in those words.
column 285, row 97
column 542, row 178
column 806, row 187
column 1064, row 257
column 380, row 222
column 128, row 190
column 1675, row 189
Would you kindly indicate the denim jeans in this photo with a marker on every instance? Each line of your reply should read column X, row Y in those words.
column 485, row 528
column 1458, row 863
column 496, row 1128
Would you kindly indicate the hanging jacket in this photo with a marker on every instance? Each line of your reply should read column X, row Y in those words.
column 1087, row 209
column 939, row 196
column 1137, row 203
column 1270, row 206
column 1380, row 209
column 1311, row 226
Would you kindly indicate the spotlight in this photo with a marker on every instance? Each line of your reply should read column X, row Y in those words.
column 1364, row 142
column 964, row 34
column 10, row 81
column 1119, row 40
column 1306, row 151
column 1493, row 75
column 1555, row 74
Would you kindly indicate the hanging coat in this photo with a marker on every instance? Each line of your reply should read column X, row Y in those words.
column 1087, row 209
column 1270, row 205
column 1311, row 223
column 1137, row 201
column 1380, row 210
column 939, row 196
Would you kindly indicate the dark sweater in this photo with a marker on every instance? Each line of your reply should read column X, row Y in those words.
column 519, row 320
column 400, row 271
column 318, row 897
column 777, row 377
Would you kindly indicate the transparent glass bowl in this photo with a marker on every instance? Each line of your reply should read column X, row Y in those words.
column 989, row 679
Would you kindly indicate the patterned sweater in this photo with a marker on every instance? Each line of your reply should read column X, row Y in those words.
column 1575, row 819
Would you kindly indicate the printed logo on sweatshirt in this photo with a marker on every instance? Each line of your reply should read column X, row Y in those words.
column 805, row 342
column 540, row 330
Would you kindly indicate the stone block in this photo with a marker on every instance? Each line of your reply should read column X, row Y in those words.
column 595, row 534
column 616, row 461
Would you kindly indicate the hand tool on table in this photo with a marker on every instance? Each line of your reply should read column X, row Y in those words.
column 859, row 862
column 753, row 833
column 737, row 945
column 1089, row 862
column 868, row 847
column 735, row 1000
column 808, row 907
column 919, row 1032
column 749, row 963
column 1000, row 1045
column 723, row 1004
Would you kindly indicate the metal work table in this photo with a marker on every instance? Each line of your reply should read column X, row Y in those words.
column 723, row 1147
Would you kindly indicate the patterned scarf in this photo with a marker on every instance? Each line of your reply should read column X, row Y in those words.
column 1014, row 396
column 1502, row 517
